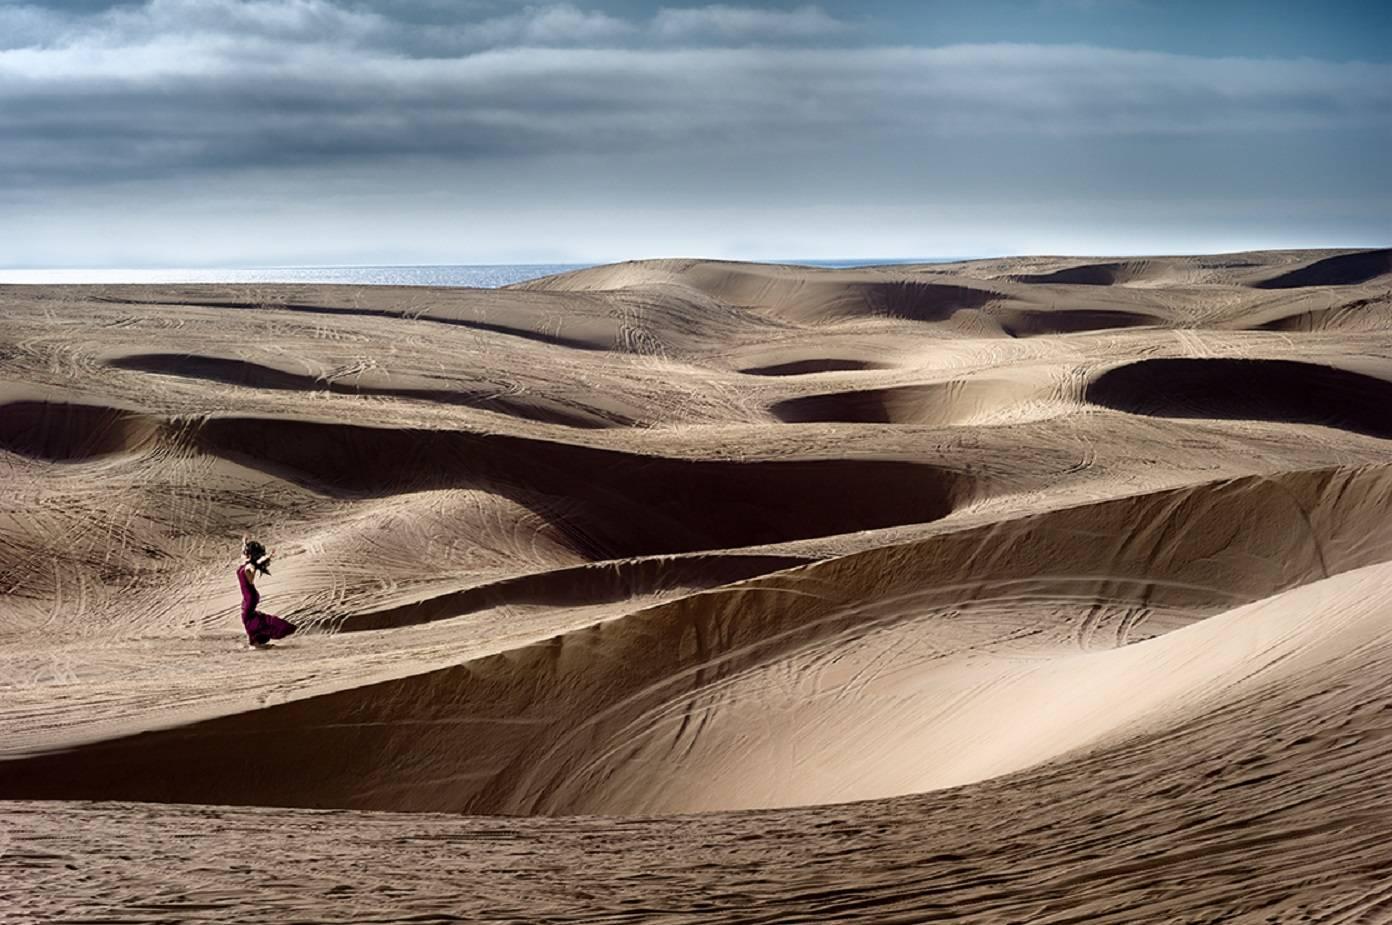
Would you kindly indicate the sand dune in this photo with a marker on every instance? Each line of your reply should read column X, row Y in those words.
column 617, row 581
column 1033, row 589
column 1249, row 389
column 815, row 365
column 611, row 504
column 1100, row 274
column 1364, row 314
column 944, row 403
column 63, row 431
column 791, row 293
column 366, row 382
column 811, row 297
column 1340, row 270
column 1024, row 323
column 887, row 665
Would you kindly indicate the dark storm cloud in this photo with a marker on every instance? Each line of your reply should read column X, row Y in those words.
column 186, row 85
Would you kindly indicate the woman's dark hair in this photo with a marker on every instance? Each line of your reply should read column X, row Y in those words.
column 255, row 551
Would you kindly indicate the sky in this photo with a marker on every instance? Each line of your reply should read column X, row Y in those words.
column 168, row 133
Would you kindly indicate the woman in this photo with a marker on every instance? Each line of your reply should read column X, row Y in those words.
column 261, row 627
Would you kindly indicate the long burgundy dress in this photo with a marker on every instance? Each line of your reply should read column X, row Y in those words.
column 261, row 627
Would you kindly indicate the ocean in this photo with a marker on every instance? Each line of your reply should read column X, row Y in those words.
column 482, row 276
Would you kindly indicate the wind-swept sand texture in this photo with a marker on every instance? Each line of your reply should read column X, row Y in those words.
column 1028, row 590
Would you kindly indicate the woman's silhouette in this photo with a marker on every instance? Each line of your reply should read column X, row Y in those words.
column 261, row 627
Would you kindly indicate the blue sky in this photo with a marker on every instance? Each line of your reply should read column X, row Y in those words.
column 241, row 132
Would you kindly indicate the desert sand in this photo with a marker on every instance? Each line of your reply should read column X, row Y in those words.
column 1051, row 590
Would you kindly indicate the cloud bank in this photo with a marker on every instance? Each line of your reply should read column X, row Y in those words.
column 170, row 89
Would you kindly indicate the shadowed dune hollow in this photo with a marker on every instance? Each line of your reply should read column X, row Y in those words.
column 609, row 504
column 1341, row 270
column 1096, row 274
column 929, row 302
column 1035, row 323
column 813, row 365
column 64, row 432
column 940, row 403
column 255, row 375
column 1249, row 389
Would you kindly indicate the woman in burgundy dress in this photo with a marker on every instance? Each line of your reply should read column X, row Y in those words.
column 261, row 627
